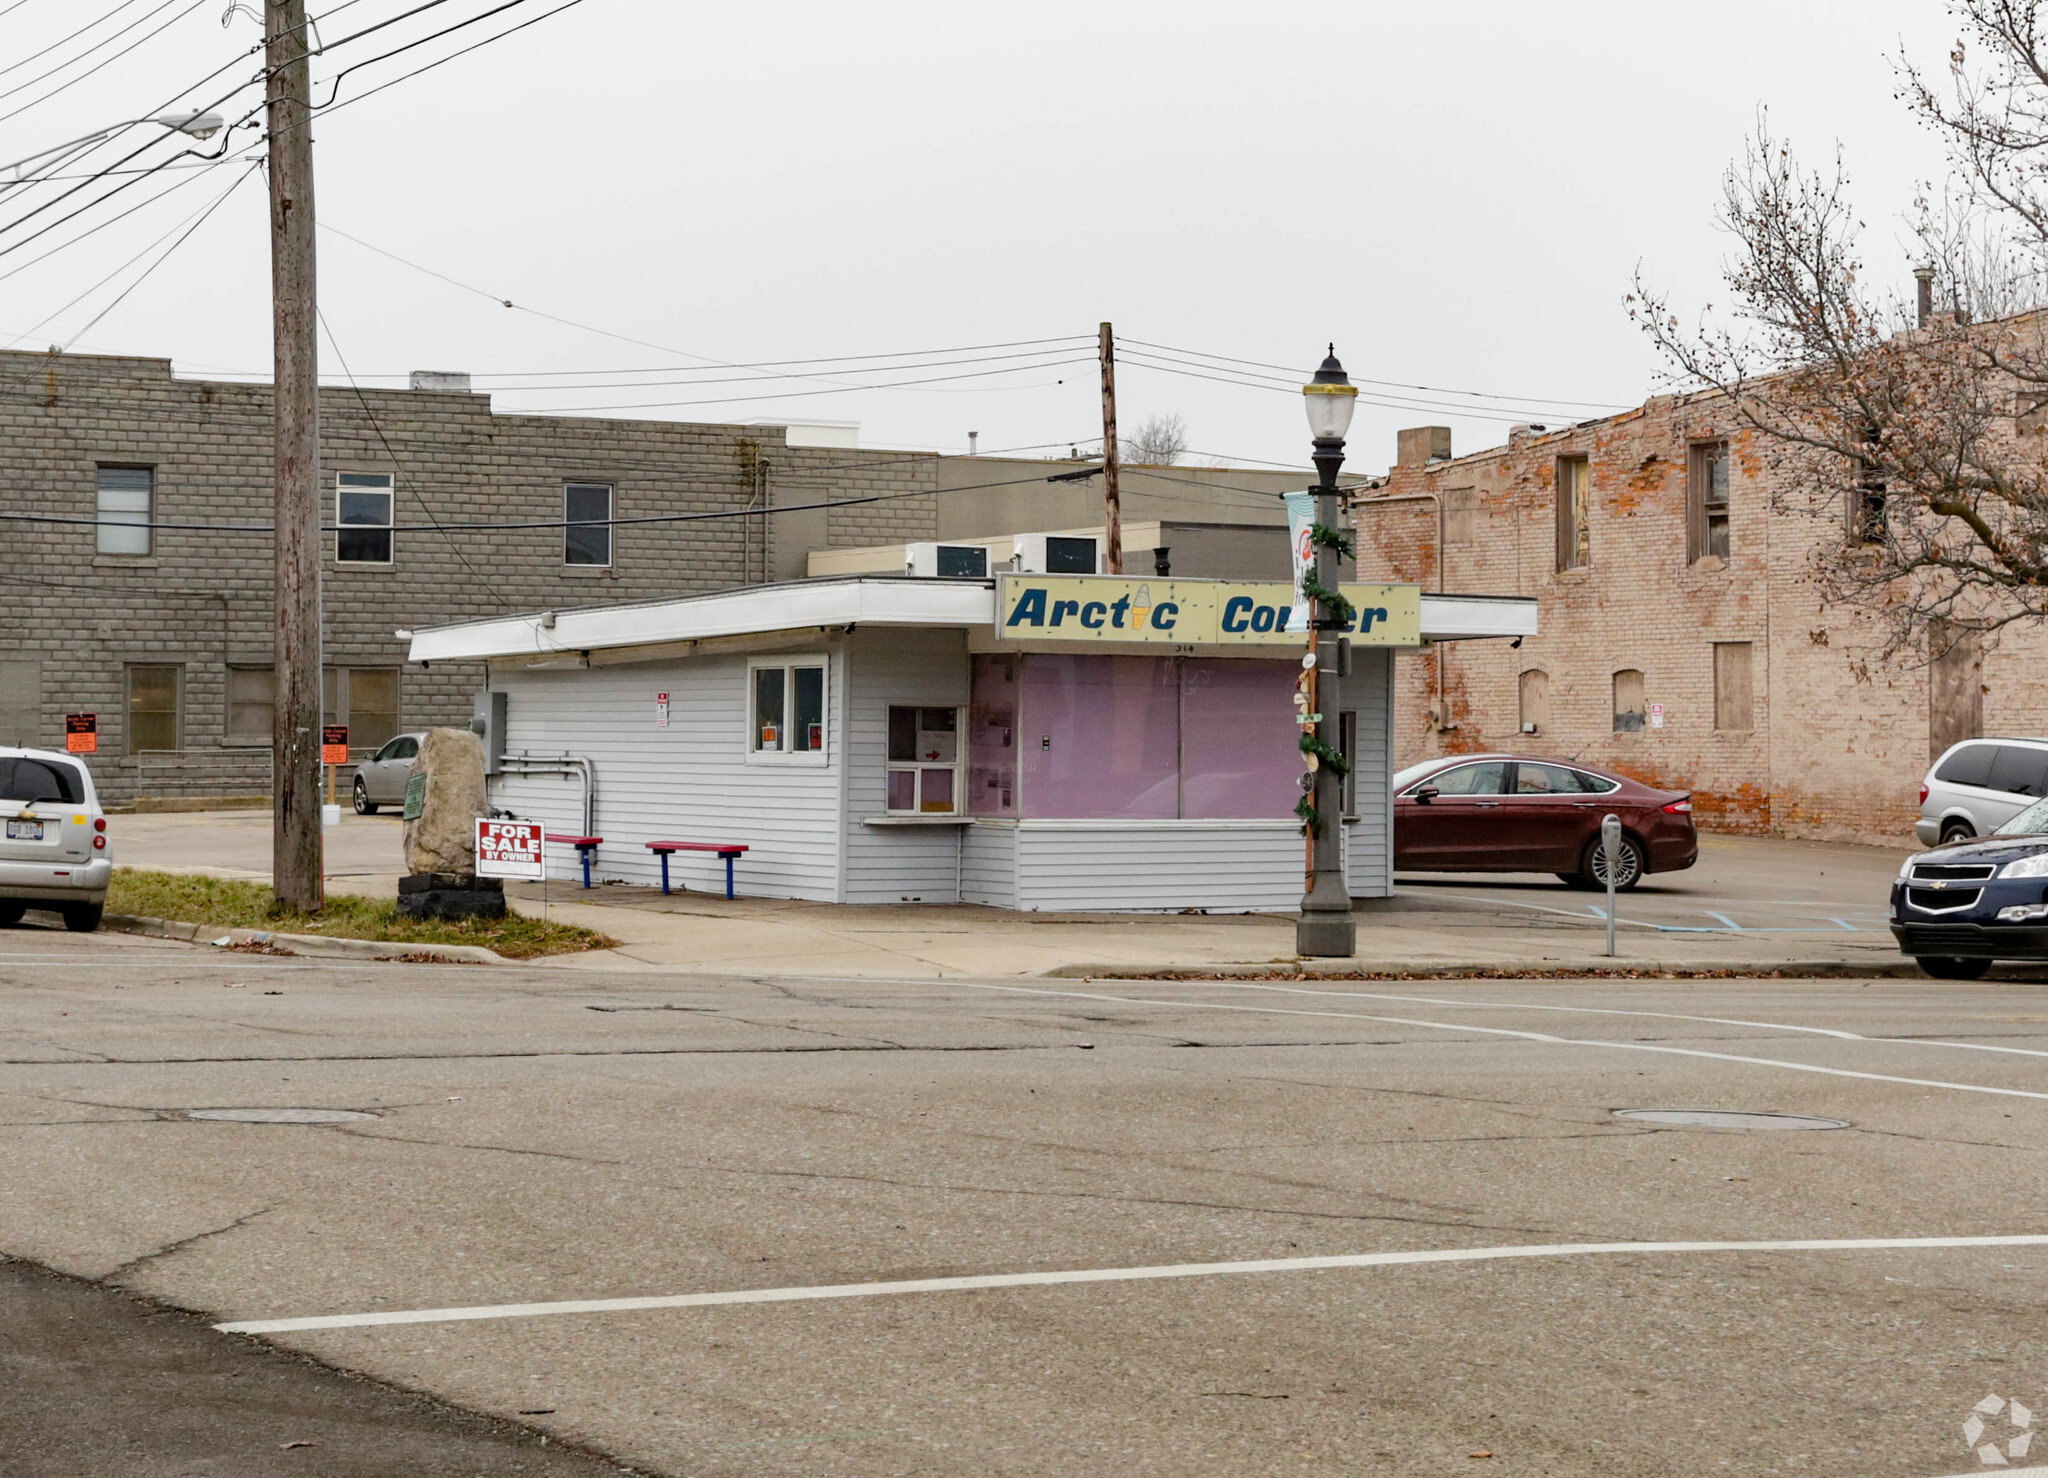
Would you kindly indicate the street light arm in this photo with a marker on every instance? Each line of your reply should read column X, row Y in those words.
column 198, row 125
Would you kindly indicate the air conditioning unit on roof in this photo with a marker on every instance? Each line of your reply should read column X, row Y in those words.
column 1058, row 554
column 951, row 561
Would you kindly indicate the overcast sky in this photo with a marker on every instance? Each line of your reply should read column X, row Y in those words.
column 1457, row 194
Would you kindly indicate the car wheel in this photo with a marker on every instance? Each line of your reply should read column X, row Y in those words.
column 364, row 805
column 1957, row 831
column 1951, row 968
column 82, row 918
column 11, row 912
column 1593, row 867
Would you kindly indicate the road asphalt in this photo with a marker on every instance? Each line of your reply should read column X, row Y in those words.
column 532, row 1137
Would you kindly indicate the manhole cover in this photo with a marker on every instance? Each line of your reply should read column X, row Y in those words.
column 1727, row 1119
column 280, row 1115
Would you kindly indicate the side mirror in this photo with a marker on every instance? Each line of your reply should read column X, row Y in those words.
column 1426, row 794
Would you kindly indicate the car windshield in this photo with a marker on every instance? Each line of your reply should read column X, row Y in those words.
column 2031, row 822
column 24, row 779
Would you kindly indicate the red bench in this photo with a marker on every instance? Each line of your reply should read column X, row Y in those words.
column 584, row 847
column 726, row 850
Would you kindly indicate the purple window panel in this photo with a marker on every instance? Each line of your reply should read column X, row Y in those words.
column 992, row 738
column 1100, row 737
column 1240, row 745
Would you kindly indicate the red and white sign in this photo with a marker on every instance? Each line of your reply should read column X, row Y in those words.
column 81, row 733
column 661, row 710
column 508, row 849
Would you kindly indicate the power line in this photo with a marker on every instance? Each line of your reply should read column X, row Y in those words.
column 194, row 221
column 93, row 322
column 805, row 394
column 104, row 64
column 1390, row 384
column 1382, row 401
column 522, row 524
column 98, row 21
column 332, row 105
column 378, row 426
column 197, row 172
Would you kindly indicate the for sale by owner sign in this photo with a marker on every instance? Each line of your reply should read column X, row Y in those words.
column 508, row 849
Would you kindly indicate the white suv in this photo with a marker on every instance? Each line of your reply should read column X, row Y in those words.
column 53, row 839
column 1979, row 785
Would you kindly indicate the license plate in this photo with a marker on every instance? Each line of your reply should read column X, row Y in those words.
column 24, row 831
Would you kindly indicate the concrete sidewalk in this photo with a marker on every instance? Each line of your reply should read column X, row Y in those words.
column 1751, row 904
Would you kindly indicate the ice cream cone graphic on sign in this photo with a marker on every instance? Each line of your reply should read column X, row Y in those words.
column 1141, row 607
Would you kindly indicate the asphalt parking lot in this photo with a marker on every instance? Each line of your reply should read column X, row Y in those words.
column 1205, row 1227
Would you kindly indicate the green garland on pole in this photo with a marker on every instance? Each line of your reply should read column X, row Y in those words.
column 1334, row 607
column 1324, row 537
column 1324, row 754
column 1311, row 818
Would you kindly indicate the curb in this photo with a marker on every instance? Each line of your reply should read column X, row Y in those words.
column 1355, row 969
column 325, row 946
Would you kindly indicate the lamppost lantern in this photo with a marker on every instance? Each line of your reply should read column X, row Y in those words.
column 1325, row 927
column 1330, row 397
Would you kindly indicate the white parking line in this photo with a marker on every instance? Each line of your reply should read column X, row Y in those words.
column 1501, row 1031
column 1096, row 1275
column 1782, row 1026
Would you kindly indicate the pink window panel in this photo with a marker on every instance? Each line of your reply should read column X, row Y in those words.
column 1240, row 743
column 992, row 738
column 1099, row 737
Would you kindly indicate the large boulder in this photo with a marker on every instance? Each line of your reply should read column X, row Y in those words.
column 442, row 838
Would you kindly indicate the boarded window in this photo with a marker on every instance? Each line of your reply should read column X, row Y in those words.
column 125, row 495
column 152, row 709
column 1631, row 714
column 1706, row 501
column 365, row 699
column 1534, row 708
column 252, row 704
column 1461, row 515
column 1955, row 687
column 1733, row 705
column 1574, row 513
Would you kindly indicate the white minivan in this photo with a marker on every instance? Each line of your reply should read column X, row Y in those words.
column 1979, row 785
column 53, row 839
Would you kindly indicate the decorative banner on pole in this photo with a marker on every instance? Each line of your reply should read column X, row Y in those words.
column 1301, row 518
column 334, row 744
column 81, row 733
column 508, row 849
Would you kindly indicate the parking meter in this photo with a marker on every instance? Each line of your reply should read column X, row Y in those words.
column 1610, row 848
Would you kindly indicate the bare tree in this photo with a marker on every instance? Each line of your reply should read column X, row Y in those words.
column 1916, row 445
column 1160, row 442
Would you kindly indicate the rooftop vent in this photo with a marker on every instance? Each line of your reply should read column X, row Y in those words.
column 453, row 381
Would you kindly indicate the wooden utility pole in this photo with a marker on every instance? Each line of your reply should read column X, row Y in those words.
column 295, row 409
column 1112, row 504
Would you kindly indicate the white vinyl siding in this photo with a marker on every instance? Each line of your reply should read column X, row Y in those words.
column 688, row 782
column 891, row 864
column 1368, row 850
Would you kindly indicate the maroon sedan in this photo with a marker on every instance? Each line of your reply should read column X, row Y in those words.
column 1519, row 813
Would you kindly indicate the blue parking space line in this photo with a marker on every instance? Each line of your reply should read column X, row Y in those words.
column 1731, row 923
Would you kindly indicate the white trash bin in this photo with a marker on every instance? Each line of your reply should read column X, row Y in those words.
column 330, row 815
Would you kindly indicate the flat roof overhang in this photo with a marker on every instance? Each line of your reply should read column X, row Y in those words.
column 863, row 600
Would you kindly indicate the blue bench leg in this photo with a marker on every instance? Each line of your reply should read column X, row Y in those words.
column 728, row 873
column 664, row 874
column 585, row 853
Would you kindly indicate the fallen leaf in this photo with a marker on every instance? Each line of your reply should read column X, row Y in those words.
column 288, row 1446
column 1478, row 1452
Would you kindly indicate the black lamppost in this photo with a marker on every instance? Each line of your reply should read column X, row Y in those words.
column 1325, row 927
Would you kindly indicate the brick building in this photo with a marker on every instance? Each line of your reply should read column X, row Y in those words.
column 165, row 632
column 1681, row 642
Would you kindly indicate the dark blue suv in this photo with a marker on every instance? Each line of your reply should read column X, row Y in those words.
column 1958, row 908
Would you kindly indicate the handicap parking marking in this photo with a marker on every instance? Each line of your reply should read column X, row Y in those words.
column 471, row 1313
column 1500, row 1031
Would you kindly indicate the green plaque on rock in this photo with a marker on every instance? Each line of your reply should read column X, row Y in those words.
column 415, row 797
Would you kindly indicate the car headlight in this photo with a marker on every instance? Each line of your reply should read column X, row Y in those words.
column 2026, row 867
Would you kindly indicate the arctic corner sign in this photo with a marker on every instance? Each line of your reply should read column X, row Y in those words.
column 1107, row 609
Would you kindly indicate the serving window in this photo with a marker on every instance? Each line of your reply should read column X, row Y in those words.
column 924, row 761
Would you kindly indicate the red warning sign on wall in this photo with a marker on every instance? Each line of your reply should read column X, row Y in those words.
column 81, row 733
column 334, row 744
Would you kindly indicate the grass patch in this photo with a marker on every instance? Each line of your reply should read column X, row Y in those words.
column 234, row 904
